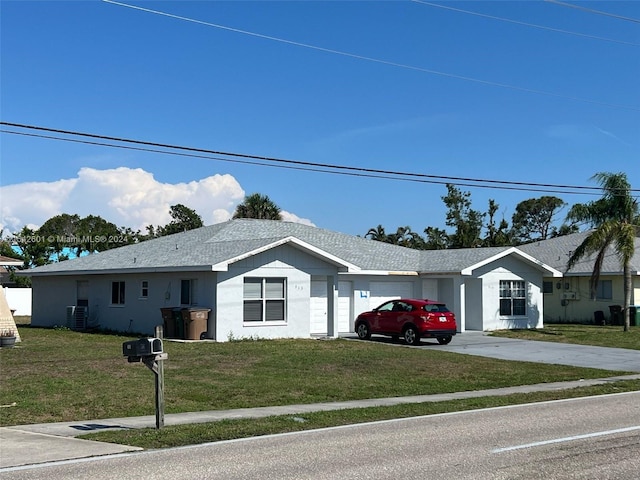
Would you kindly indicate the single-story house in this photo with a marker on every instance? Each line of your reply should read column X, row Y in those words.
column 569, row 299
column 274, row 279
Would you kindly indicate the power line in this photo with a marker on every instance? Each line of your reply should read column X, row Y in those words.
column 508, row 20
column 376, row 60
column 155, row 147
column 591, row 10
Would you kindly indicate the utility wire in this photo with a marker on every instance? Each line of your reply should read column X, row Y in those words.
column 291, row 167
column 376, row 60
column 542, row 27
column 296, row 164
column 591, row 10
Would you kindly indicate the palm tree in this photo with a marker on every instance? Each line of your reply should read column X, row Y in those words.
column 614, row 219
column 258, row 206
column 378, row 234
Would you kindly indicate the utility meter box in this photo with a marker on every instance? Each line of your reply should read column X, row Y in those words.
column 142, row 348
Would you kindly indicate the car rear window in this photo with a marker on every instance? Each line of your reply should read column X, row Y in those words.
column 436, row 307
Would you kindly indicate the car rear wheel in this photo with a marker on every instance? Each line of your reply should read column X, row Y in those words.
column 363, row 331
column 444, row 340
column 411, row 336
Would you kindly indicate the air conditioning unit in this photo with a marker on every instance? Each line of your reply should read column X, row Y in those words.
column 77, row 317
column 569, row 295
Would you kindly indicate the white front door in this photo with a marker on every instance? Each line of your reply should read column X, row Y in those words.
column 318, row 307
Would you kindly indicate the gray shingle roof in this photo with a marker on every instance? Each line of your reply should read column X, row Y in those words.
column 556, row 251
column 203, row 247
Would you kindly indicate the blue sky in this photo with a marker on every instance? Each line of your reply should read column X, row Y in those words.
column 550, row 96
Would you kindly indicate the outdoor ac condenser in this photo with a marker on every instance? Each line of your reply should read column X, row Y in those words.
column 77, row 317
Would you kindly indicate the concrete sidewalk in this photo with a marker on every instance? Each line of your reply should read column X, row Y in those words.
column 50, row 442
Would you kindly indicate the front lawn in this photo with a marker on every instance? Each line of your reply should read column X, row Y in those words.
column 602, row 336
column 59, row 375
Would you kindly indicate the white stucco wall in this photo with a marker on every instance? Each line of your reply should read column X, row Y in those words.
column 285, row 261
column 510, row 269
column 52, row 295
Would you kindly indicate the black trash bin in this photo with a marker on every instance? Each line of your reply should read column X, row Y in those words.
column 598, row 317
column 616, row 314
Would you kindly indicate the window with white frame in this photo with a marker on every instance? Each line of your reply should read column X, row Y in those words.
column 604, row 290
column 264, row 299
column 117, row 293
column 513, row 298
column 188, row 292
column 144, row 289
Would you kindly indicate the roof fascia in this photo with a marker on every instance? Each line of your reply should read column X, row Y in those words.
column 115, row 271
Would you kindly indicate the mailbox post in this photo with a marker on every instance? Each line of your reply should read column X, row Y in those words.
column 150, row 352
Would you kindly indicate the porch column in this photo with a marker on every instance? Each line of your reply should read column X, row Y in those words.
column 460, row 302
column 332, row 306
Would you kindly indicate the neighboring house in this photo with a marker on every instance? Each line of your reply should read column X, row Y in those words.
column 5, row 274
column 569, row 299
column 274, row 279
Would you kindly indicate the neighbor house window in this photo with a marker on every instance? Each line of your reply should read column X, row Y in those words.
column 144, row 289
column 117, row 293
column 513, row 299
column 604, row 290
column 547, row 287
column 264, row 300
column 188, row 292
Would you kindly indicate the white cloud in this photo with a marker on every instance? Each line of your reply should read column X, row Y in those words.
column 291, row 217
column 124, row 196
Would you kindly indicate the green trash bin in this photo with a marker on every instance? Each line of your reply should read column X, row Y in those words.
column 634, row 319
column 179, row 323
column 169, row 322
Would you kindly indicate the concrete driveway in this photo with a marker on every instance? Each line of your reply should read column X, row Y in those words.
column 484, row 345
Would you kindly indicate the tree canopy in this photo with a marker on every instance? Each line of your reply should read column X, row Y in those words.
column 259, row 206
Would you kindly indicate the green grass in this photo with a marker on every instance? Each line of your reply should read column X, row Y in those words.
column 59, row 375
column 603, row 336
column 174, row 436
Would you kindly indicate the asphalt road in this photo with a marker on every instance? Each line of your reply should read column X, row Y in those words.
column 588, row 438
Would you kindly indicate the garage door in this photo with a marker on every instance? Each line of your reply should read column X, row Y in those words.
column 345, row 317
column 383, row 291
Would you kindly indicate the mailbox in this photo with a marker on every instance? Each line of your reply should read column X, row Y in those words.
column 142, row 348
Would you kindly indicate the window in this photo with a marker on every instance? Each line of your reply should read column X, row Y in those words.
column 188, row 292
column 513, row 298
column 264, row 300
column 117, row 293
column 144, row 289
column 604, row 290
column 547, row 287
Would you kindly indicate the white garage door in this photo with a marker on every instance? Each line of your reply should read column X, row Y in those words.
column 383, row 291
column 318, row 307
column 345, row 317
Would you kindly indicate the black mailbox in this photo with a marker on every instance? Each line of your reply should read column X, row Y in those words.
column 142, row 348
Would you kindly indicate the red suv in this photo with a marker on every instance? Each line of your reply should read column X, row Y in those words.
column 412, row 319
